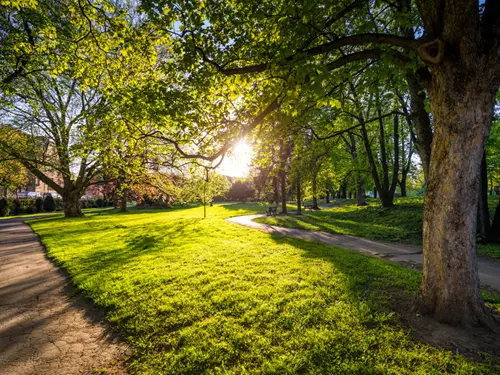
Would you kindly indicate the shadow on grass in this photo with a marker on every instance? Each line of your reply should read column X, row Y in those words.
column 367, row 278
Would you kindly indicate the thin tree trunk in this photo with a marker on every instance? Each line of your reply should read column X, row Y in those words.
column 123, row 201
column 276, row 197
column 299, row 197
column 361, row 194
column 374, row 192
column 402, row 185
column 419, row 115
column 315, row 192
column 283, row 191
column 284, row 154
column 327, row 197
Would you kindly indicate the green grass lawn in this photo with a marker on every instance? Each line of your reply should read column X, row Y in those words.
column 402, row 223
column 204, row 296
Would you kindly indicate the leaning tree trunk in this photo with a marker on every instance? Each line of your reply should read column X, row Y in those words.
column 462, row 106
column 71, row 204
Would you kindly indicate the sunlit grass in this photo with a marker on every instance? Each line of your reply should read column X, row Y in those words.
column 204, row 296
column 402, row 223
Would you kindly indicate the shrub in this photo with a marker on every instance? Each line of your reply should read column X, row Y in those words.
column 39, row 205
column 49, row 205
column 100, row 202
column 17, row 207
column 30, row 210
column 4, row 207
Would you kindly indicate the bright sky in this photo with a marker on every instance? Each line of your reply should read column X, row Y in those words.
column 237, row 163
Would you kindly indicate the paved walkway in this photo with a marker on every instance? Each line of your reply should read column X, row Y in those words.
column 410, row 255
column 43, row 330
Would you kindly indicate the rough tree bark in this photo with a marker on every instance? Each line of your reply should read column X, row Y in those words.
column 71, row 204
column 463, row 53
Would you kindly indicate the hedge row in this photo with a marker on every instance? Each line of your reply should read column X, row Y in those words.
column 47, row 204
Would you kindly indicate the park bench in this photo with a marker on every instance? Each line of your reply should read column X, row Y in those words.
column 271, row 210
column 308, row 207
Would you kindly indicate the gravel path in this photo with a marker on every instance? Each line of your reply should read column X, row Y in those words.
column 409, row 255
column 44, row 329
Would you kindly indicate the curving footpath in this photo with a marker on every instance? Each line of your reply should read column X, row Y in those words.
column 43, row 328
column 409, row 255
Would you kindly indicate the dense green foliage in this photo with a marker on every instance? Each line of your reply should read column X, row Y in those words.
column 49, row 204
column 200, row 296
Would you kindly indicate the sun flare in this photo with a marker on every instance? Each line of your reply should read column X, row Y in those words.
column 237, row 162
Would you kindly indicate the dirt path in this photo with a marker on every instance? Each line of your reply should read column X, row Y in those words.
column 43, row 329
column 409, row 255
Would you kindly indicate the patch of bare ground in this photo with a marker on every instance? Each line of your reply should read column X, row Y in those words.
column 477, row 343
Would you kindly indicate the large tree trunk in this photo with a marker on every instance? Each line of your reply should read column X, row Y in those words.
column 483, row 215
column 71, row 204
column 462, row 106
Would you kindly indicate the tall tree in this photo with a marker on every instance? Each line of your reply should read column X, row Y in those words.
column 458, row 60
column 64, row 128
